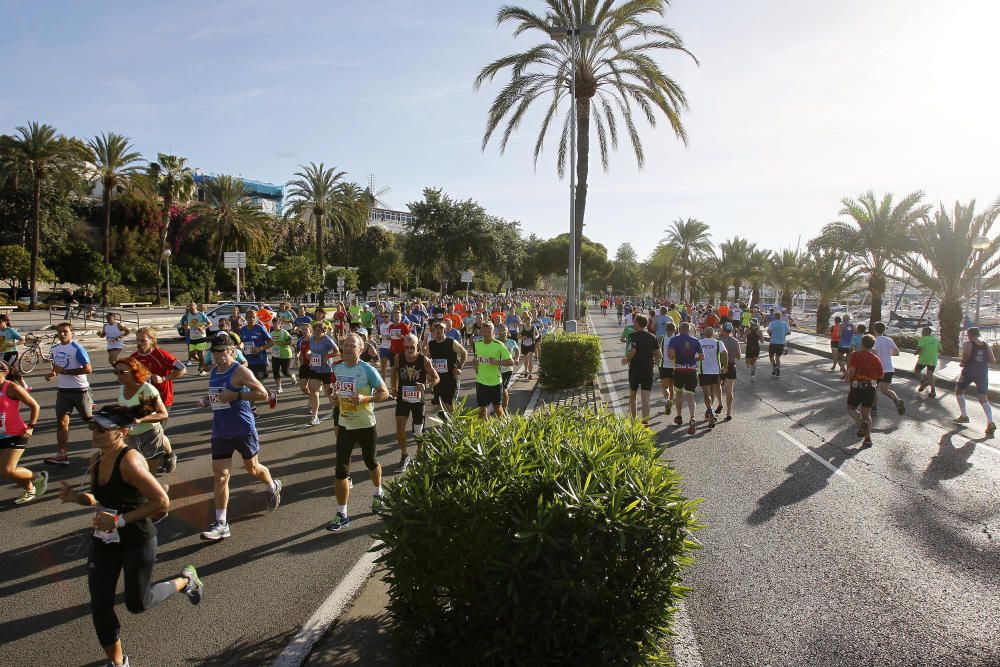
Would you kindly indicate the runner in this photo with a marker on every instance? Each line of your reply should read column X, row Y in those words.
column 256, row 342
column 302, row 318
column 284, row 319
column 470, row 322
column 621, row 309
column 835, row 346
column 413, row 374
column 146, row 433
column 778, row 332
column 667, row 371
column 847, row 330
column 230, row 388
column 714, row 359
column 885, row 350
column 732, row 348
column 15, row 434
column 164, row 368
column 448, row 358
column 281, row 356
column 9, row 338
column 515, row 352
column 397, row 331
column 195, row 324
column 318, row 353
column 490, row 356
column 976, row 359
column 642, row 356
column 928, row 350
column 863, row 370
column 529, row 342
column 358, row 387
column 685, row 352
column 125, row 494
column 71, row 363
column 114, row 333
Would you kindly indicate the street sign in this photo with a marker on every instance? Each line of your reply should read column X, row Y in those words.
column 234, row 260
column 340, row 282
column 610, row 287
column 467, row 276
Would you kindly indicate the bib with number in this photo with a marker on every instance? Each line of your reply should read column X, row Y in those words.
column 440, row 365
column 411, row 394
column 197, row 332
column 213, row 398
column 247, row 347
column 107, row 536
column 316, row 360
column 346, row 390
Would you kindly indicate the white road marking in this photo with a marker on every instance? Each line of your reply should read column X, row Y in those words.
column 331, row 609
column 978, row 444
column 819, row 384
column 832, row 468
column 686, row 652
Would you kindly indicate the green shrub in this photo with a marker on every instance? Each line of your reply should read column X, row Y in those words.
column 551, row 539
column 117, row 294
column 568, row 360
column 905, row 341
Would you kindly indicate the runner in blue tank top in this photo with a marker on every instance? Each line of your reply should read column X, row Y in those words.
column 231, row 387
column 975, row 362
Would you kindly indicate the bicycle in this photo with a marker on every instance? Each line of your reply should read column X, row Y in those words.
column 34, row 353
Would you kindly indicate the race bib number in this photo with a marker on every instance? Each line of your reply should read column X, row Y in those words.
column 107, row 536
column 411, row 395
column 316, row 360
column 275, row 351
column 197, row 332
column 214, row 398
column 247, row 348
column 395, row 334
column 440, row 365
column 347, row 391
column 485, row 360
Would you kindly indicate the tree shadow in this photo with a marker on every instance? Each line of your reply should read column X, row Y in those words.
column 362, row 641
column 247, row 651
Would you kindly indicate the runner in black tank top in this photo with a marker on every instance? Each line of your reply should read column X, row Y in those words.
column 412, row 374
column 447, row 358
column 124, row 537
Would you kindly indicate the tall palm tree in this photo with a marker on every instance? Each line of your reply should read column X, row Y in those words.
column 230, row 218
column 615, row 70
column 735, row 255
column 43, row 154
column 946, row 264
column 311, row 196
column 174, row 182
column 693, row 241
column 877, row 234
column 350, row 214
column 785, row 273
column 112, row 164
column 757, row 270
column 661, row 268
column 828, row 273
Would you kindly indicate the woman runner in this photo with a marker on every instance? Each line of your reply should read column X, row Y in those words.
column 14, row 436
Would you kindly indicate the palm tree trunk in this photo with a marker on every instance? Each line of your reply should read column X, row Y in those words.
column 876, row 285
column 165, row 225
column 722, row 295
column 786, row 300
column 950, row 318
column 582, row 172
column 736, row 291
column 36, row 214
column 319, row 256
column 107, row 242
column 755, row 293
column 822, row 316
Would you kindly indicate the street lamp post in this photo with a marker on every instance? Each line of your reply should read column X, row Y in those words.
column 573, row 33
column 166, row 256
column 979, row 244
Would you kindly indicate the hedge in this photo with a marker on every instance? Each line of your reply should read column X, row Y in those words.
column 568, row 360
column 551, row 539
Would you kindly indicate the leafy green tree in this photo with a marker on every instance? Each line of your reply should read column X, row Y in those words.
column 112, row 162
column 945, row 263
column 172, row 181
column 310, row 197
column 735, row 255
column 15, row 266
column 297, row 274
column 553, row 257
column 661, row 269
column 785, row 274
column 231, row 219
column 41, row 153
column 626, row 274
column 615, row 69
column 877, row 235
column 349, row 216
column 758, row 268
column 828, row 274
column 693, row 242
column 79, row 264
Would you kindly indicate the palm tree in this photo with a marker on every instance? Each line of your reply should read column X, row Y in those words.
column 311, row 195
column 661, row 268
column 946, row 264
column 174, row 182
column 735, row 255
column 757, row 271
column 785, row 273
column 615, row 69
column 350, row 214
column 828, row 273
column 692, row 240
column 112, row 164
column 231, row 218
column 877, row 235
column 42, row 153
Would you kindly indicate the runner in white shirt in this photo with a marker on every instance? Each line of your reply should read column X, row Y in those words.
column 711, row 372
column 71, row 365
column 114, row 332
column 885, row 349
column 667, row 372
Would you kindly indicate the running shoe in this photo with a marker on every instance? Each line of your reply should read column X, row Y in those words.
column 777, row 372
column 923, row 385
column 718, row 410
column 41, row 483
column 195, row 590
column 202, row 373
column 691, row 427
column 124, row 664
column 708, row 413
column 404, row 461
column 293, row 378
column 753, row 379
column 678, row 420
column 864, row 429
column 867, row 442
column 901, row 407
column 27, row 496
column 991, row 430
column 669, row 407
column 338, row 523
column 169, row 463
column 58, row 460
column 933, row 393
column 279, row 390
column 377, row 503
column 728, row 418
column 712, row 421
column 274, row 496
column 159, row 517
column 315, row 421
column 961, row 419
column 219, row 530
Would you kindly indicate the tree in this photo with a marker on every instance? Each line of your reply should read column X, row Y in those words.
column 173, row 182
column 553, row 256
column 42, row 154
column 735, row 256
column 614, row 69
column 692, row 239
column 350, row 214
column 15, row 266
column 311, row 196
column 828, row 274
column 231, row 219
column 758, row 268
column 877, row 235
column 112, row 164
column 661, row 269
column 79, row 264
column 785, row 273
column 946, row 264
column 297, row 274
column 626, row 271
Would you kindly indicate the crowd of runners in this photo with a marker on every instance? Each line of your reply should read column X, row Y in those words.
column 350, row 357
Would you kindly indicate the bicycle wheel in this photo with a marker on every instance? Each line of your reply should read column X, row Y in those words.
column 27, row 360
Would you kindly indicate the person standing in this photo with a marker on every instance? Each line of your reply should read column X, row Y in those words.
column 413, row 374
column 114, row 333
column 778, row 332
column 642, row 356
column 928, row 351
column 975, row 362
column 358, row 387
column 864, row 370
column 490, row 356
column 15, row 434
column 732, row 349
column 885, row 349
column 125, row 495
column 71, row 365
column 231, row 387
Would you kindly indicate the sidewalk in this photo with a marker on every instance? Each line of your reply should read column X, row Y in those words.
column 946, row 374
column 38, row 321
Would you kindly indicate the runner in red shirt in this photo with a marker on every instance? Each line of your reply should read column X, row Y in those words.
column 397, row 332
column 165, row 367
column 864, row 370
column 340, row 321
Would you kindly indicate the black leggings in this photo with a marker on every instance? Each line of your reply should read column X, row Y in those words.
column 104, row 565
column 281, row 365
column 346, row 439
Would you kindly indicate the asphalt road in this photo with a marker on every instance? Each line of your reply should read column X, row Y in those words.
column 262, row 583
column 885, row 556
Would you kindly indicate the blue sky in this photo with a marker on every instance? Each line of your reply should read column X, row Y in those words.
column 796, row 103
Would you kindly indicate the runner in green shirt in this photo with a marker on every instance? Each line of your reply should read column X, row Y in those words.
column 490, row 355
column 354, row 311
column 928, row 349
column 626, row 336
column 281, row 357
column 367, row 317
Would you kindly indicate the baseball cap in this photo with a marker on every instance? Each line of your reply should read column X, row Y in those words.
column 727, row 326
column 221, row 342
column 112, row 417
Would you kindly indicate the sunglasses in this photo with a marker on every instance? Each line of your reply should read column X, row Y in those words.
column 122, row 371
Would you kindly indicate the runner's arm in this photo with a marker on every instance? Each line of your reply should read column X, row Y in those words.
column 135, row 472
column 432, row 375
column 463, row 355
column 159, row 416
column 243, row 378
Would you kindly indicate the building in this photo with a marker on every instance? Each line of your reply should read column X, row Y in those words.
column 268, row 196
column 394, row 222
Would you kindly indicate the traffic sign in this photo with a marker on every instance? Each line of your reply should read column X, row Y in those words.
column 234, row 260
column 340, row 282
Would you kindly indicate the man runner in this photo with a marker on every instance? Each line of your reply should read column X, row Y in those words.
column 413, row 373
column 928, row 350
column 863, row 370
column 448, row 358
column 490, row 356
column 713, row 361
column 976, row 360
column 643, row 354
column 732, row 348
column 71, row 363
column 685, row 352
column 885, row 350
column 778, row 332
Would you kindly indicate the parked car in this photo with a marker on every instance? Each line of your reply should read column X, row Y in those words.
column 221, row 312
